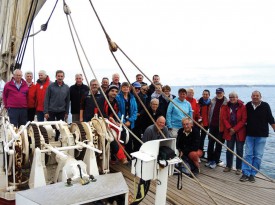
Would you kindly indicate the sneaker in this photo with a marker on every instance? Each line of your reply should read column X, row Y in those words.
column 251, row 179
column 244, row 178
column 221, row 163
column 238, row 172
column 213, row 165
column 196, row 171
column 207, row 164
column 227, row 169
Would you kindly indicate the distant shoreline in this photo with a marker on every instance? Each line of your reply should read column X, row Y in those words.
column 224, row 85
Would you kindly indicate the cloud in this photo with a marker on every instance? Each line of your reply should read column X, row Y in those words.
column 185, row 42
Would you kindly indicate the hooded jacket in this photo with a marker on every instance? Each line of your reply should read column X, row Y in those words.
column 41, row 88
column 133, row 108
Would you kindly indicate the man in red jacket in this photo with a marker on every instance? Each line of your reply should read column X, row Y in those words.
column 41, row 86
column 15, row 99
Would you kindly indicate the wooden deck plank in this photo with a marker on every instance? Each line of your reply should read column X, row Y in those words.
column 229, row 182
column 225, row 188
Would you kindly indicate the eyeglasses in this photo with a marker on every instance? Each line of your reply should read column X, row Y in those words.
column 185, row 124
column 137, row 88
column 232, row 97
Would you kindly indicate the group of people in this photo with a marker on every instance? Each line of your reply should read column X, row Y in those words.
column 139, row 105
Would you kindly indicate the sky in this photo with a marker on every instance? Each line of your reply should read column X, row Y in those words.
column 186, row 42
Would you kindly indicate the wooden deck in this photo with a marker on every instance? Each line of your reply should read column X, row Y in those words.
column 225, row 188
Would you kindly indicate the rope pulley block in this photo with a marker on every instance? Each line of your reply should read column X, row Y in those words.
column 66, row 9
column 112, row 46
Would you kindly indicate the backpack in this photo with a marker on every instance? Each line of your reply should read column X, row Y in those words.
column 166, row 153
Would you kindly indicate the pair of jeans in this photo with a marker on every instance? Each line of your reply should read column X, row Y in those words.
column 75, row 117
column 18, row 116
column 31, row 114
column 239, row 149
column 254, row 150
column 214, row 148
column 40, row 116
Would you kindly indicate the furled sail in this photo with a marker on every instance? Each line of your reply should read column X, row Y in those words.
column 15, row 16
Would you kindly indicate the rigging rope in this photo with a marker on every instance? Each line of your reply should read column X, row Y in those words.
column 68, row 13
column 201, row 127
column 113, row 46
column 24, row 40
column 110, row 44
column 45, row 26
column 33, row 56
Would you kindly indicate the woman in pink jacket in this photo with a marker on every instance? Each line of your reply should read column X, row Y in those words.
column 234, row 119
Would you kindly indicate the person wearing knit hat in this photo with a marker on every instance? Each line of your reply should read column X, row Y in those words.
column 111, row 87
column 116, row 150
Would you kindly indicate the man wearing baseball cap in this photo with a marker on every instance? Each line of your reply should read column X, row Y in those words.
column 214, row 148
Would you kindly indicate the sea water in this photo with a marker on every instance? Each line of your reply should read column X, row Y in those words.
column 244, row 93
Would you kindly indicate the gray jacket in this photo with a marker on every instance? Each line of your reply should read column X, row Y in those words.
column 57, row 98
column 152, row 133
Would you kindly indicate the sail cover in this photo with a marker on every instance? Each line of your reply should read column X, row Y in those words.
column 13, row 18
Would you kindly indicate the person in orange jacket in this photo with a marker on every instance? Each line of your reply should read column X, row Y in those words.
column 41, row 86
column 31, row 97
column 194, row 104
column 204, row 103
